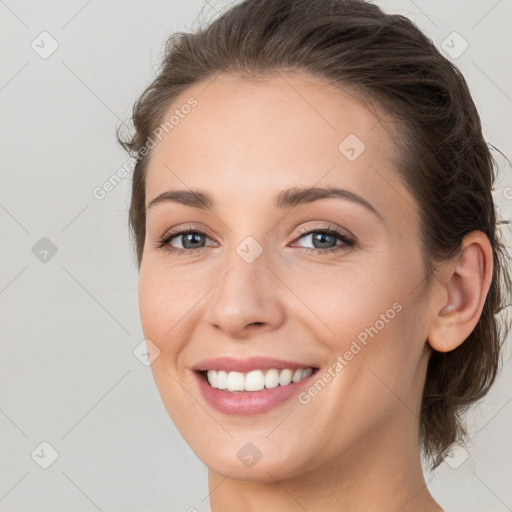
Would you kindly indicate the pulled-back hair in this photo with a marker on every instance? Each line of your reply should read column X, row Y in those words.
column 383, row 60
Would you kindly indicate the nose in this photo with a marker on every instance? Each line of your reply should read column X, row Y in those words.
column 246, row 299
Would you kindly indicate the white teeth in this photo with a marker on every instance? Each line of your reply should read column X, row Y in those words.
column 297, row 375
column 272, row 379
column 285, row 377
column 213, row 379
column 235, row 381
column 307, row 372
column 222, row 380
column 255, row 380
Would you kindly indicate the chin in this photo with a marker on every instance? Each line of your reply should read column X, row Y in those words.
column 250, row 458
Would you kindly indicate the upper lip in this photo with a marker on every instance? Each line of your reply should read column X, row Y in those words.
column 231, row 364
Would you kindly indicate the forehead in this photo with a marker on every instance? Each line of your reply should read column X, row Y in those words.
column 253, row 138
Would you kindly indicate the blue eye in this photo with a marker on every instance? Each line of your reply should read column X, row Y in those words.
column 326, row 236
column 191, row 240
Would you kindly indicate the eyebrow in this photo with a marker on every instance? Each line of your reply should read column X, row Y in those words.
column 287, row 198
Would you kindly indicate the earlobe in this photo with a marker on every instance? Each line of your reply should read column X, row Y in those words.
column 466, row 283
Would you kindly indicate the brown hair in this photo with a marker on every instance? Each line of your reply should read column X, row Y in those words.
column 446, row 163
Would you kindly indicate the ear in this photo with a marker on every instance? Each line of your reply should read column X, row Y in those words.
column 466, row 281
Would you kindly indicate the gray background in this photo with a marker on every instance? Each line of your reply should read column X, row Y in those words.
column 69, row 324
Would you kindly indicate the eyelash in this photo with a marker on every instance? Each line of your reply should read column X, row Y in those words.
column 163, row 243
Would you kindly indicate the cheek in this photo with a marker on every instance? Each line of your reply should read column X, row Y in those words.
column 370, row 315
column 163, row 314
column 162, row 308
column 345, row 299
column 381, row 355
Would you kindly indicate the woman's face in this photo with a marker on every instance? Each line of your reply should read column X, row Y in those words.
column 255, row 282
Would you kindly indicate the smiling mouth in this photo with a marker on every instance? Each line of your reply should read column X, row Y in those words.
column 256, row 380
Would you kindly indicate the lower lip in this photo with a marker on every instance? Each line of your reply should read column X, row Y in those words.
column 246, row 403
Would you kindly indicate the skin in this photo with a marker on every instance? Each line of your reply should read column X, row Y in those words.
column 354, row 446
